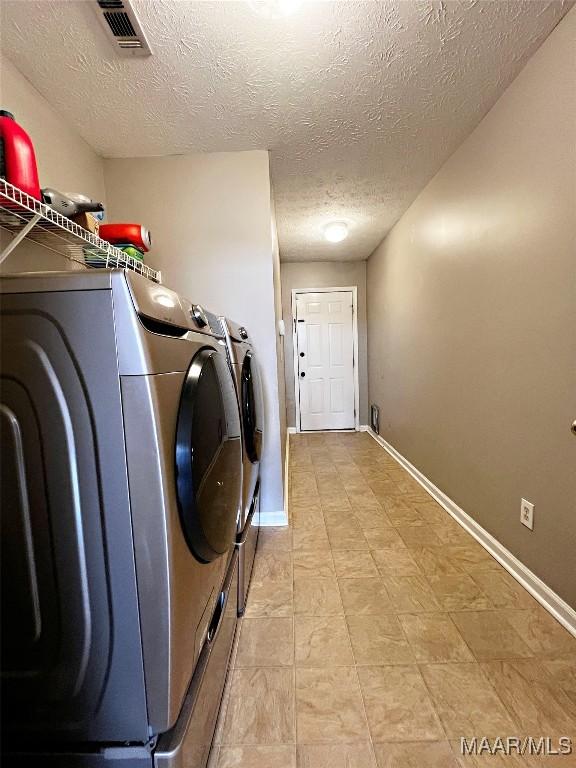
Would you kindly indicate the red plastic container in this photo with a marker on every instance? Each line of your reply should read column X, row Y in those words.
column 135, row 234
column 17, row 158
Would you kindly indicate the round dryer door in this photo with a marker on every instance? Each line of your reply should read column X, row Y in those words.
column 208, row 456
column 252, row 407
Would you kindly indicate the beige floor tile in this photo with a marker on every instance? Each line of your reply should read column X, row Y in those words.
column 309, row 516
column 384, row 538
column 372, row 518
column 304, row 496
column 503, row 590
column 466, row 701
column 266, row 642
column 363, row 499
column 416, row 536
column 458, row 592
column 383, row 489
column 273, row 566
column 261, row 708
column 348, row 541
column 379, row 640
column 411, row 594
column 313, row 564
column 302, row 476
column 303, row 488
column 434, row 637
column 351, row 477
column 563, row 674
column 533, row 697
column 396, row 562
column 490, row 636
column 322, row 641
column 417, row 495
column 416, row 754
column 365, row 597
column 433, row 561
column 329, row 706
column 471, row 557
column 341, row 520
column 281, row 756
column 357, row 755
column 432, row 512
column 398, row 705
column 340, row 503
column 313, row 537
column 270, row 598
column 275, row 539
column 317, row 597
column 542, row 633
column 402, row 514
column 328, row 480
column 358, row 486
column 451, row 533
column 406, row 485
column 333, row 498
column 354, row 564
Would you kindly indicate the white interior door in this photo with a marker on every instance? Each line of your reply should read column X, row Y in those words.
column 325, row 355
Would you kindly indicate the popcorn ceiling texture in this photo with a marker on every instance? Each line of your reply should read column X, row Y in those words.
column 359, row 103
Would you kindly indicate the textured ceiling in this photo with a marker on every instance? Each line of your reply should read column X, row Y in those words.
column 360, row 103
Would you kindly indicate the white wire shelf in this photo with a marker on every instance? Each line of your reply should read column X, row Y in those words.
column 25, row 217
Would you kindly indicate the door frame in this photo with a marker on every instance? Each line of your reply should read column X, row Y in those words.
column 354, row 290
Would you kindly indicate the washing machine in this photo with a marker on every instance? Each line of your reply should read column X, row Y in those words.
column 121, row 491
column 244, row 366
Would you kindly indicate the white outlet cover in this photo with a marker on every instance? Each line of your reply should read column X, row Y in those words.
column 527, row 514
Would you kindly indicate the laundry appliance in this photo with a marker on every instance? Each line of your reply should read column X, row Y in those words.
column 121, row 490
column 244, row 366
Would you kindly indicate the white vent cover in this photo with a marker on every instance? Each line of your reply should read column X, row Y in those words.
column 122, row 27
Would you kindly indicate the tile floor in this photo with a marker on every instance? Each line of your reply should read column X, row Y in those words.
column 378, row 632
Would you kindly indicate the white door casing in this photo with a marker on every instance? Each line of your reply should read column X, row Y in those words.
column 325, row 342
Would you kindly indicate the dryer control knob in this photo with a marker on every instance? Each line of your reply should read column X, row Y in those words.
column 198, row 315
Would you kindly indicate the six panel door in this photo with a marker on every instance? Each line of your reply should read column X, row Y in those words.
column 325, row 353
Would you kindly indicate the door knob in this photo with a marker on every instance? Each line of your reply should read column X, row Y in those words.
column 301, row 354
column 573, row 427
column 302, row 374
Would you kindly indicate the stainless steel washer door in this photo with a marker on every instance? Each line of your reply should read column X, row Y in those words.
column 252, row 407
column 208, row 457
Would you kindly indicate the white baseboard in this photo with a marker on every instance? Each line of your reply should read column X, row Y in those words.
column 553, row 603
column 286, row 474
column 361, row 428
column 268, row 519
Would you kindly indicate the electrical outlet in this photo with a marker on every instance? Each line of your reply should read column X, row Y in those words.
column 527, row 514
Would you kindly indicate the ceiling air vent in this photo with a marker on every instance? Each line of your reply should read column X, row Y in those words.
column 123, row 28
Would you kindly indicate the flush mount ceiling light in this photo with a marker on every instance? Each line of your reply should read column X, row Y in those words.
column 275, row 9
column 336, row 231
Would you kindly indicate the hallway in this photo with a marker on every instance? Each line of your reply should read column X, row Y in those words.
column 378, row 632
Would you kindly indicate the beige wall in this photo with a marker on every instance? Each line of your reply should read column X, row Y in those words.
column 472, row 319
column 324, row 274
column 211, row 221
column 280, row 342
column 65, row 161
